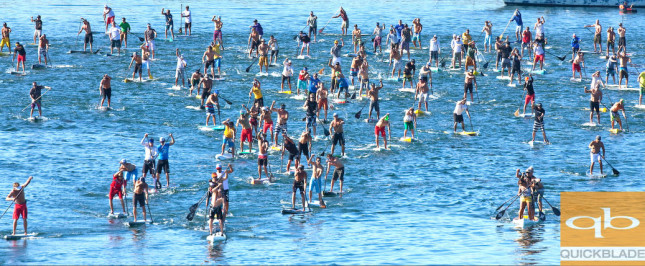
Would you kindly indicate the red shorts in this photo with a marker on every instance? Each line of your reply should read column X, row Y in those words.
column 575, row 67
column 539, row 58
column 115, row 191
column 110, row 20
column 529, row 98
column 20, row 209
column 21, row 58
column 246, row 135
column 266, row 127
column 378, row 130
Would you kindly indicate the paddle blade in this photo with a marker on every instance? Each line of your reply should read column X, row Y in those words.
column 358, row 115
column 354, row 96
column 615, row 171
column 320, row 72
column 486, row 65
column 228, row 102
column 443, row 64
column 149, row 76
column 541, row 216
column 517, row 112
column 191, row 212
column 321, row 30
column 556, row 211
column 500, row 215
column 326, row 131
column 141, row 39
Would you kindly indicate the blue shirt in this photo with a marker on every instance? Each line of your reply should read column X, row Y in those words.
column 162, row 150
column 398, row 28
column 575, row 43
column 518, row 19
column 342, row 83
column 313, row 83
column 258, row 29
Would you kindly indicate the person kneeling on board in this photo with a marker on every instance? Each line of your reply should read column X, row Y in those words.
column 20, row 208
column 299, row 183
column 140, row 197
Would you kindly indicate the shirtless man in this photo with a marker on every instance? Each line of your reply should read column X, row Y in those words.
column 622, row 42
column 372, row 93
column 356, row 63
column 263, row 60
column 395, row 61
column 379, row 128
column 247, row 131
column 619, row 106
column 304, row 146
column 425, row 73
column 140, row 197
column 299, row 183
column 105, row 89
column 321, row 99
column 217, row 33
column 145, row 57
column 417, row 27
column 409, row 122
column 267, row 123
column 207, row 83
column 88, row 34
column 254, row 42
column 596, row 146
column 138, row 63
column 6, row 41
column 421, row 93
column 577, row 64
column 356, row 37
column 336, row 126
column 216, row 211
column 469, row 80
column 611, row 40
column 363, row 73
column 263, row 156
column 17, row 195
column 43, row 48
column 211, row 103
column 208, row 59
column 317, row 170
column 283, row 118
column 623, row 59
column 339, row 172
column 594, row 102
column 488, row 28
column 195, row 79
column 597, row 36
column 290, row 146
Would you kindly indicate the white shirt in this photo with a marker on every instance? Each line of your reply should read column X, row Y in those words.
column 180, row 63
column 274, row 45
column 460, row 108
column 539, row 28
column 220, row 175
column 115, row 33
column 287, row 71
column 110, row 13
column 377, row 31
column 434, row 45
column 595, row 81
column 538, row 50
column 187, row 16
column 456, row 46
column 151, row 150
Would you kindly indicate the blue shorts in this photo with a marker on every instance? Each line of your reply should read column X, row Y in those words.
column 315, row 184
column 415, row 36
column 134, row 175
column 311, row 121
column 228, row 141
column 302, row 85
column 218, row 61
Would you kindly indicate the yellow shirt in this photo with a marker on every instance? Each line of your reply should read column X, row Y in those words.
column 642, row 79
column 257, row 92
column 228, row 133
column 465, row 38
column 216, row 49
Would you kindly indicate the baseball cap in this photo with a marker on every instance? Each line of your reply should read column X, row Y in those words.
column 162, row 139
column 219, row 166
column 123, row 161
column 335, row 115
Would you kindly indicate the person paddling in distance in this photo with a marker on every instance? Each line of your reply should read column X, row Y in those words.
column 422, row 93
column 181, row 66
column 611, row 40
column 577, row 64
column 345, row 25
column 530, row 93
column 108, row 16
column 336, row 126
column 215, row 211
column 321, row 99
column 247, row 131
column 275, row 50
column 138, row 63
column 611, row 68
column 17, row 195
column 623, row 59
column 150, row 34
column 315, row 184
column 195, row 80
column 222, row 178
column 263, row 50
column 115, row 38
column 149, row 159
column 597, row 36
column 145, row 58
column 379, row 129
column 162, row 162
column 43, row 49
column 619, row 106
column 303, row 77
column 267, row 124
column 299, row 183
column 88, row 34
column 125, row 29
column 409, row 122
column 140, row 197
column 36, row 96
column 208, row 59
column 217, row 33
column 372, row 93
column 263, row 156
column 595, row 147
column 338, row 174
column 188, row 21
column 290, row 146
column 488, row 27
column 457, row 114
column 594, row 102
column 117, row 187
column 434, row 51
column 212, row 101
column 287, row 72
column 470, row 80
column 229, row 137
column 169, row 24
column 539, row 122
column 106, row 90
column 525, row 189
column 256, row 90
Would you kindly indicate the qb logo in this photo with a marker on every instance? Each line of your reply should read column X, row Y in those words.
column 599, row 225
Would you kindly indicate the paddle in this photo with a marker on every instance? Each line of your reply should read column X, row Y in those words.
column 500, row 206
column 79, row 29
column 46, row 87
column 501, row 214
column 149, row 212
column 227, row 101
column 555, row 210
column 125, row 199
column 296, row 37
column 193, row 208
column 14, row 199
column 471, row 124
column 358, row 114
column 612, row 168
column 509, row 22
column 321, row 30
column 443, row 62
column 517, row 112
column 252, row 62
column 561, row 58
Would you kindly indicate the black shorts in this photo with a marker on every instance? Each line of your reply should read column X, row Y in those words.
column 303, row 148
column 339, row 173
column 516, row 71
column 187, row 25
column 149, row 166
column 262, row 161
column 622, row 41
column 374, row 105
column 140, row 199
column 594, row 106
column 137, row 68
column 89, row 38
column 458, row 118
column 106, row 92
column 255, row 44
column 312, row 29
column 298, row 185
column 274, row 53
column 292, row 156
column 338, row 137
column 468, row 87
column 610, row 44
column 210, row 63
column 259, row 102
column 116, row 44
column 225, row 195
column 287, row 78
column 163, row 165
column 216, row 213
column 499, row 56
column 434, row 55
column 205, row 94
column 623, row 74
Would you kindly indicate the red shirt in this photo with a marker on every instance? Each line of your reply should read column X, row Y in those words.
column 116, row 182
column 526, row 37
column 301, row 76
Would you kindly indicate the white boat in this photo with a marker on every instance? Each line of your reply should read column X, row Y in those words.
column 585, row 3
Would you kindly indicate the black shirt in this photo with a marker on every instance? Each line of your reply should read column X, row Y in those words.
column 289, row 146
column 539, row 114
column 516, row 62
column 529, row 86
column 39, row 24
column 35, row 92
column 304, row 38
column 311, row 108
column 409, row 67
column 20, row 50
column 506, row 51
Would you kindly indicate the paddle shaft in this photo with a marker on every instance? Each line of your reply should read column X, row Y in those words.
column 252, row 62
column 227, row 101
column 149, row 212
column 612, row 167
column 12, row 202
column 502, row 35
column 498, row 216
column 125, row 199
column 358, row 114
column 332, row 17
column 48, row 88
column 500, row 206
column 556, row 211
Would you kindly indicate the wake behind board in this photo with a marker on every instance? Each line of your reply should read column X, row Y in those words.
column 18, row 237
column 435, row 69
column 538, row 72
column 590, row 124
column 116, row 215
column 575, row 80
column 217, row 237
column 329, row 194
column 136, row 224
column 260, row 74
column 596, row 175
column 370, row 120
column 294, row 211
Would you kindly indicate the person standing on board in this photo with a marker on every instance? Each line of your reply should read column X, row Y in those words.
column 597, row 36
column 622, row 42
column 258, row 28
column 409, row 122
column 299, row 183
column 117, row 187
column 575, row 46
column 263, row 51
column 611, row 40
column 150, row 34
column 188, row 21
column 345, row 25
column 416, row 36
column 169, row 24
column 517, row 17
column 106, row 90
column 488, row 28
column 125, row 29
column 138, row 64
column 539, row 121
column 434, row 51
column 5, row 38
column 469, row 80
column 321, row 99
column 539, row 27
column 35, row 95
column 372, row 93
column 379, row 128
column 162, row 162
column 17, row 195
column 577, row 64
column 596, row 146
column 315, row 184
column 115, row 38
column 594, row 102
column 217, row 33
column 312, row 22
column 378, row 37
column 623, row 59
column 140, row 197
column 458, row 116
column 215, row 211
column 129, row 170
column 526, row 185
column 619, row 106
column 181, row 66
column 421, row 93
column 108, row 16
column 149, row 159
column 641, row 82
column 336, row 126
column 20, row 53
column 338, row 174
column 39, row 27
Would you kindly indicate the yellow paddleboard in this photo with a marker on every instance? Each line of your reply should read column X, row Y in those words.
column 615, row 130
column 467, row 133
column 407, row 139
column 285, row 92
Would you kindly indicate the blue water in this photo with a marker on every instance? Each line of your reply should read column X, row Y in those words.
column 431, row 201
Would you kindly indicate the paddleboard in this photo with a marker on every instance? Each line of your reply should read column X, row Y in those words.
column 372, row 120
column 298, row 97
column 285, row 92
column 536, row 143
column 512, row 85
column 18, row 237
column 329, row 194
column 38, row 66
column 294, row 211
column 526, row 222
column 136, row 224
column 421, row 113
column 503, row 77
column 640, row 106
column 37, row 118
column 18, row 73
column 341, row 101
column 467, row 133
column 575, row 79
column 275, row 148
column 303, row 57
column 539, row 72
column 246, row 151
column 224, row 157
column 254, row 181
column 526, row 115
column 592, row 124
column 435, row 69
column 212, row 128
column 79, row 52
column 408, row 90
column 621, row 88
column 394, row 79
column 615, row 130
column 116, row 215
column 262, row 74
column 316, row 203
column 406, row 139
column 596, row 175
column 3, row 54
column 219, row 236
column 496, row 70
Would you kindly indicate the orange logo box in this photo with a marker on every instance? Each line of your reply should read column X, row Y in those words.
column 602, row 228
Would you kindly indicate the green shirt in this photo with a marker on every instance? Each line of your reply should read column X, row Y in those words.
column 471, row 52
column 125, row 27
column 642, row 78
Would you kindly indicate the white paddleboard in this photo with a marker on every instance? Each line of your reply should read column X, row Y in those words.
column 219, row 236
column 212, row 128
column 503, row 77
column 19, row 236
column 407, row 90
column 224, row 157
column 136, row 224
column 116, row 215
